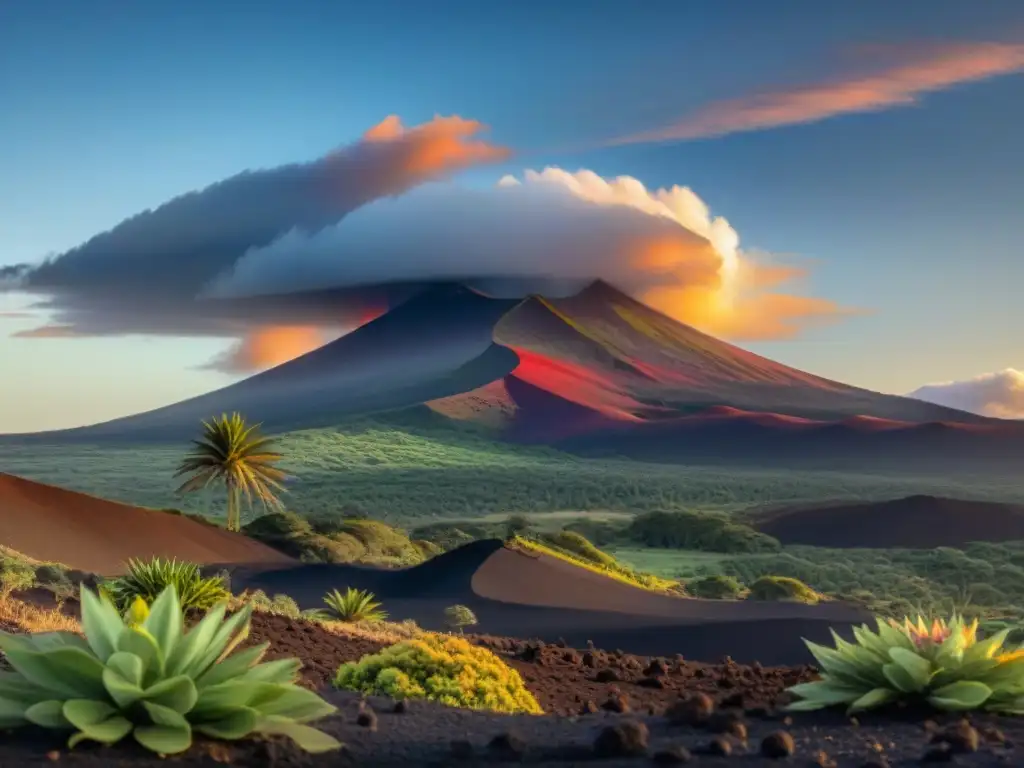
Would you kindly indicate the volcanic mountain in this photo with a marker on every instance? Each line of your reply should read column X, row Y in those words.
column 595, row 372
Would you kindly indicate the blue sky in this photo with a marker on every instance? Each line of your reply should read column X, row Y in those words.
column 911, row 213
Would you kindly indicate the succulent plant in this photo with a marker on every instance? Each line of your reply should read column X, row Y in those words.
column 354, row 605
column 148, row 578
column 943, row 663
column 144, row 675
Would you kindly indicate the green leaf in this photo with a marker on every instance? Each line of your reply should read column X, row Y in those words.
column 189, row 649
column 68, row 671
column 874, row 698
column 12, row 713
column 49, row 641
column 919, row 669
column 232, row 667
column 164, row 622
column 178, row 693
column 127, row 665
column 108, row 732
column 101, row 624
column 161, row 715
column 307, row 738
column 825, row 692
column 237, row 725
column 893, row 637
column 48, row 714
column 83, row 713
column 294, row 703
column 138, row 641
column 15, row 688
column 227, row 636
column 279, row 671
column 164, row 739
column 806, row 705
column 962, row 695
column 221, row 700
column 123, row 692
column 900, row 679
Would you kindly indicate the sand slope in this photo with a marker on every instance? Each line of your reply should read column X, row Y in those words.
column 91, row 534
column 914, row 522
column 523, row 596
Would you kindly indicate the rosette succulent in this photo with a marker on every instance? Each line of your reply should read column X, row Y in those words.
column 944, row 663
column 142, row 674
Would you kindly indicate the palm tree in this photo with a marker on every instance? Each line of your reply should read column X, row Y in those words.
column 232, row 451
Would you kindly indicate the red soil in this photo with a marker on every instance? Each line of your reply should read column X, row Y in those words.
column 95, row 535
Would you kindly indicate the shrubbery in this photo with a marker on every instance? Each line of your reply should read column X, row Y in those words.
column 148, row 578
column 353, row 605
column 577, row 544
column 782, row 588
column 717, row 587
column 458, row 617
column 440, row 668
column 691, row 530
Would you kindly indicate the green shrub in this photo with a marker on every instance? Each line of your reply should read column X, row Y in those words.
column 50, row 573
column 427, row 549
column 156, row 682
column 378, row 538
column 15, row 576
column 782, row 588
column 715, row 588
column 354, row 605
column 458, row 617
column 440, row 668
column 691, row 530
column 282, row 605
column 277, row 525
column 148, row 578
column 942, row 663
column 577, row 544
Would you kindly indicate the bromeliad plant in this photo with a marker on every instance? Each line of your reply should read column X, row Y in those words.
column 143, row 675
column 148, row 578
column 945, row 664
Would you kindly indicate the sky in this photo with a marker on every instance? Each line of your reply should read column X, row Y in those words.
column 870, row 152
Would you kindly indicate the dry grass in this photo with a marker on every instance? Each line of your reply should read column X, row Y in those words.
column 380, row 631
column 25, row 617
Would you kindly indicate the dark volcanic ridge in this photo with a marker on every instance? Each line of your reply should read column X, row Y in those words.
column 513, row 594
column 913, row 522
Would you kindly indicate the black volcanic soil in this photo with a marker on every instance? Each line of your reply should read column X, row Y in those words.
column 914, row 522
column 606, row 718
column 516, row 595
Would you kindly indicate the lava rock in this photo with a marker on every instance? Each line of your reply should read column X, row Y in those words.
column 961, row 739
column 367, row 718
column 607, row 676
column 624, row 740
column 507, row 746
column 616, row 703
column 675, row 755
column 778, row 745
column 728, row 723
column 719, row 747
column 651, row 682
column 401, row 707
column 693, row 710
column 589, row 708
column 462, row 749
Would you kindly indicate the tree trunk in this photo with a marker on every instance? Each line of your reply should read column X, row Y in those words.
column 234, row 523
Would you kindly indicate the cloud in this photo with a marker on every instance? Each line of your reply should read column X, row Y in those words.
column 552, row 226
column 267, row 347
column 999, row 394
column 910, row 73
column 143, row 276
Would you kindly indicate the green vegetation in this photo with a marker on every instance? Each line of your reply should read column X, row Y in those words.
column 279, row 605
column 441, row 668
column 615, row 570
column 577, row 544
column 156, row 682
column 717, row 587
column 354, row 605
column 943, row 664
column 694, row 530
column 15, row 576
column 458, row 617
column 147, row 579
column 231, row 451
column 401, row 469
column 782, row 589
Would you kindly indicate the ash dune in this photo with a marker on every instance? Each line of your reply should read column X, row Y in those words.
column 95, row 535
column 914, row 522
column 537, row 596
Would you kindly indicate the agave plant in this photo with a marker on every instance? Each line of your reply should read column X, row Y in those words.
column 155, row 681
column 148, row 578
column 354, row 605
column 943, row 663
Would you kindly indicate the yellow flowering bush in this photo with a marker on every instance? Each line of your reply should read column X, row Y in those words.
column 441, row 668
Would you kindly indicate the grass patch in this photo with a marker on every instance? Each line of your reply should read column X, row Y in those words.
column 16, row 615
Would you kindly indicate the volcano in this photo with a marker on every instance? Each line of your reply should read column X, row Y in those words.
column 596, row 373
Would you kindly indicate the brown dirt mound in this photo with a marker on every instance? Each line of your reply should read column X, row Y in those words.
column 913, row 522
column 95, row 535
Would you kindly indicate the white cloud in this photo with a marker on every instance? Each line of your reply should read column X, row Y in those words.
column 999, row 394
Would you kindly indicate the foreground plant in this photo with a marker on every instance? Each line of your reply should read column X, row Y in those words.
column 144, row 675
column 458, row 617
column 148, row 578
column 945, row 664
column 354, row 605
column 442, row 668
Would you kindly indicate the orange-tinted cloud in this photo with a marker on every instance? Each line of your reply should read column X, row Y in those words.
column 914, row 72
column 441, row 146
column 49, row 332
